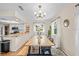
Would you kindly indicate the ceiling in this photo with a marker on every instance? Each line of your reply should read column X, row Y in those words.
column 51, row 9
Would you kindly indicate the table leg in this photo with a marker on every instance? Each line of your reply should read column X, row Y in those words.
column 39, row 49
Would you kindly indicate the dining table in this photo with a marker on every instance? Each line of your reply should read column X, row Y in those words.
column 39, row 41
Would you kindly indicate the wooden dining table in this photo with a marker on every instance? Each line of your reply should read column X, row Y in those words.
column 42, row 41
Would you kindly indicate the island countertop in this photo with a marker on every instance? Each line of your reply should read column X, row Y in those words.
column 15, row 34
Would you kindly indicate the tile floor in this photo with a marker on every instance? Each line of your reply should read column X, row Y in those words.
column 57, row 52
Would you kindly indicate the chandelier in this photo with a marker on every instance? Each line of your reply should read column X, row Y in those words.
column 39, row 13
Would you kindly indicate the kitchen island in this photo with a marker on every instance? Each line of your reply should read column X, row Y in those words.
column 17, row 40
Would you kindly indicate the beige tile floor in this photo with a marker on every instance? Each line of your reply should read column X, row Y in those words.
column 57, row 52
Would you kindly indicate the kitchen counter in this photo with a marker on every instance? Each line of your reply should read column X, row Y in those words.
column 16, row 34
column 17, row 40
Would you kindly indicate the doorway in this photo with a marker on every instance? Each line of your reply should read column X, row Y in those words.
column 6, row 29
column 56, row 31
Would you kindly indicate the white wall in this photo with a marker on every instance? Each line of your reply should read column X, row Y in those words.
column 7, row 13
column 68, row 33
column 19, row 16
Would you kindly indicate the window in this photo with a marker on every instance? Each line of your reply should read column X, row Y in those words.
column 38, row 27
column 54, row 28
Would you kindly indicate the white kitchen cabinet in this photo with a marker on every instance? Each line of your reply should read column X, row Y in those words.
column 16, row 42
